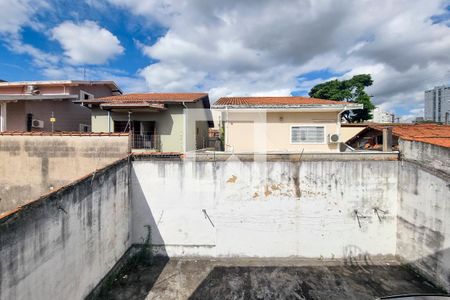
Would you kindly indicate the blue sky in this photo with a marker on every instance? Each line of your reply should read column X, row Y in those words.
column 232, row 47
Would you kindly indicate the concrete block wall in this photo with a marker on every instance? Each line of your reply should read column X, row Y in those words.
column 266, row 209
column 32, row 165
column 62, row 245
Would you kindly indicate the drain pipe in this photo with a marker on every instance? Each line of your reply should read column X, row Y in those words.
column 109, row 121
column 185, row 127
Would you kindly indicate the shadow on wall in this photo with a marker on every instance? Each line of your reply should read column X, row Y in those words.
column 137, row 273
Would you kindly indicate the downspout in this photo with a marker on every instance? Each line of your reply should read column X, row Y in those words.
column 109, row 121
column 2, row 117
column 226, row 128
column 185, row 136
column 339, row 117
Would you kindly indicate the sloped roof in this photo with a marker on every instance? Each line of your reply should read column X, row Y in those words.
column 285, row 101
column 109, row 83
column 427, row 133
column 156, row 101
column 151, row 97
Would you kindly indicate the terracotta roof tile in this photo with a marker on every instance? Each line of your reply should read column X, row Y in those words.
column 428, row 133
column 153, row 97
column 287, row 100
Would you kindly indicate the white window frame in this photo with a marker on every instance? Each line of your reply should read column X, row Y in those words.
column 309, row 143
column 82, row 93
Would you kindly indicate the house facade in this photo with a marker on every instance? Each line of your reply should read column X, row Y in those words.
column 281, row 124
column 48, row 105
column 166, row 122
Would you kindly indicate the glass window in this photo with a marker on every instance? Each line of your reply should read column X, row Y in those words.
column 308, row 134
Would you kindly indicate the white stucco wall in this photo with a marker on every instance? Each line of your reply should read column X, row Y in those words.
column 266, row 209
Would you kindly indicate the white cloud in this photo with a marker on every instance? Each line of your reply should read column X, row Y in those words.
column 17, row 13
column 87, row 42
column 256, row 47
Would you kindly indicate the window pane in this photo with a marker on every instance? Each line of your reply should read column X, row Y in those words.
column 307, row 134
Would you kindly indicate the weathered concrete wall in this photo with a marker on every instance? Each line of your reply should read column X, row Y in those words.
column 426, row 154
column 62, row 245
column 266, row 209
column 423, row 219
column 33, row 165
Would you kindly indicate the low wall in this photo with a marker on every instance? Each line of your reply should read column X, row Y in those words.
column 61, row 245
column 33, row 165
column 426, row 154
column 266, row 209
column 423, row 220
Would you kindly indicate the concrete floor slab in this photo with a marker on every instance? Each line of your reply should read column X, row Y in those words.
column 266, row 279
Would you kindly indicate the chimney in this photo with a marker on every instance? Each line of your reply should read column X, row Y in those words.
column 387, row 139
column 446, row 118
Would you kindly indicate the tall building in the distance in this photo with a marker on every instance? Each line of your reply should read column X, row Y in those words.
column 380, row 116
column 437, row 104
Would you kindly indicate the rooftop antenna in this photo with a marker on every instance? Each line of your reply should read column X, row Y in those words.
column 84, row 72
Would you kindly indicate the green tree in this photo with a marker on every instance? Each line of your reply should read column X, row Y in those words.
column 351, row 90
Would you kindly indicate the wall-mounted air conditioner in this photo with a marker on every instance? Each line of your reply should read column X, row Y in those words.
column 37, row 123
column 334, row 138
column 33, row 90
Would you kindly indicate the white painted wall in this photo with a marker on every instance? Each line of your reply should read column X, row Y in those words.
column 256, row 211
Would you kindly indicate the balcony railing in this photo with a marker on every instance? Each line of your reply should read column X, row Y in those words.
column 144, row 140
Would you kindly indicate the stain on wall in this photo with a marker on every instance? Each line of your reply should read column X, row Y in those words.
column 423, row 227
column 62, row 245
column 266, row 209
column 35, row 165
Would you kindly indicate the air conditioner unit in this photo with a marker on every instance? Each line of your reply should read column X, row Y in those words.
column 33, row 90
column 37, row 123
column 334, row 138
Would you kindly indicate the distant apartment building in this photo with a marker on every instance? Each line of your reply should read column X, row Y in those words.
column 381, row 116
column 437, row 104
column 48, row 105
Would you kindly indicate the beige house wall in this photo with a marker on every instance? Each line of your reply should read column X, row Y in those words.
column 101, row 121
column 271, row 131
column 349, row 132
column 34, row 165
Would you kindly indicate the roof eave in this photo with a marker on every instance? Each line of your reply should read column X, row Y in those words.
column 289, row 107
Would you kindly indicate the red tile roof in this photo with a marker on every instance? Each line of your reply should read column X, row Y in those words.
column 153, row 97
column 287, row 100
column 427, row 133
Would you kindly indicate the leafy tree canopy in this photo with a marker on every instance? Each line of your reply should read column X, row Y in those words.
column 351, row 90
